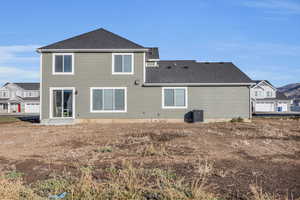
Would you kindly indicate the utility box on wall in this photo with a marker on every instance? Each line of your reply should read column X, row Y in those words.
column 198, row 116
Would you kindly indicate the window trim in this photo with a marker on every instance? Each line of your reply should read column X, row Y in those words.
column 53, row 64
column 4, row 91
column 174, row 107
column 108, row 111
column 113, row 64
column 26, row 92
column 51, row 102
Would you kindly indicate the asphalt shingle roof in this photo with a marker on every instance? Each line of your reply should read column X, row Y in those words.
column 279, row 96
column 190, row 71
column 97, row 39
column 258, row 81
column 28, row 86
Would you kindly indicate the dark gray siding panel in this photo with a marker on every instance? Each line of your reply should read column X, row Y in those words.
column 95, row 70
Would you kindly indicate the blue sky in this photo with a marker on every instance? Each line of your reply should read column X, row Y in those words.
column 262, row 37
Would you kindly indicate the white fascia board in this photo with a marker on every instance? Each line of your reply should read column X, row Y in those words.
column 267, row 84
column 153, row 59
column 91, row 50
column 196, row 84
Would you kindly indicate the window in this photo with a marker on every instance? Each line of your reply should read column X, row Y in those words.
column 269, row 93
column 31, row 94
column 63, row 63
column 4, row 94
column 174, row 97
column 108, row 100
column 151, row 64
column 62, row 102
column 256, row 93
column 122, row 63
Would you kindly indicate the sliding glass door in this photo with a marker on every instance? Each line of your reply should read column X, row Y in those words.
column 62, row 103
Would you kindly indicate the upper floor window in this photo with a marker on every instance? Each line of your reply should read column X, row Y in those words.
column 258, row 93
column 63, row 63
column 4, row 94
column 269, row 93
column 122, row 63
column 174, row 97
column 151, row 64
column 31, row 94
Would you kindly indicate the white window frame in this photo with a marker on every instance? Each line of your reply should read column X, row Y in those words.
column 51, row 102
column 174, row 107
column 107, row 111
column 154, row 64
column 53, row 64
column 34, row 93
column 122, row 73
column 4, row 92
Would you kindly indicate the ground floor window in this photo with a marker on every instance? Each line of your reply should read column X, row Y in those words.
column 174, row 97
column 108, row 99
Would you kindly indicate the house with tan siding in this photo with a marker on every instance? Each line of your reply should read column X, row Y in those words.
column 101, row 76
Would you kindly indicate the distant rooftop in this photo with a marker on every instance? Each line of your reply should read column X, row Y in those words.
column 190, row 71
column 27, row 86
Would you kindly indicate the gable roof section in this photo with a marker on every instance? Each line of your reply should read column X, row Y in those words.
column 27, row 86
column 281, row 96
column 97, row 39
column 257, row 82
column 190, row 71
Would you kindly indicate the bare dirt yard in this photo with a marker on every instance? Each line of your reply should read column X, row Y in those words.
column 234, row 156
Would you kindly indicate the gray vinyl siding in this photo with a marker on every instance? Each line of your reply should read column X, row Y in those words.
column 95, row 70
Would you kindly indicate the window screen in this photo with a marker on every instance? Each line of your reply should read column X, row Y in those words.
column 108, row 99
column 63, row 63
column 175, row 97
column 123, row 64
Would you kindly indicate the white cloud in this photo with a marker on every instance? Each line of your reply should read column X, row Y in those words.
column 275, row 6
column 19, row 48
column 19, row 63
column 18, row 53
column 13, row 74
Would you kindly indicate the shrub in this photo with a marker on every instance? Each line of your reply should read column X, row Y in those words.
column 14, row 175
column 13, row 189
column 128, row 182
column 238, row 119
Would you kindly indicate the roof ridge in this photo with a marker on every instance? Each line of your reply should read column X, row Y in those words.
column 121, row 37
column 83, row 34
column 77, row 36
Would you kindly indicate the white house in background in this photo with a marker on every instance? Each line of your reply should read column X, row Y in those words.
column 266, row 98
column 20, row 98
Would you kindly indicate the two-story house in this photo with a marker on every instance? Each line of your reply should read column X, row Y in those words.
column 20, row 98
column 104, row 77
column 266, row 98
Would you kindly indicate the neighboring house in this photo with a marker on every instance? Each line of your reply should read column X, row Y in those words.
column 295, row 107
column 296, row 101
column 20, row 98
column 266, row 98
column 100, row 75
